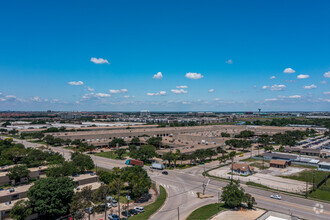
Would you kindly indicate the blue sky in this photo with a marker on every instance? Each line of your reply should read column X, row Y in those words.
column 212, row 55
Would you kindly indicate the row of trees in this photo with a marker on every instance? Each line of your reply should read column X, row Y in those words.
column 53, row 197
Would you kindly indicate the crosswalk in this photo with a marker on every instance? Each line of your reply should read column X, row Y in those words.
column 174, row 188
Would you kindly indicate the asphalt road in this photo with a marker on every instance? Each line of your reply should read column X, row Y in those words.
column 182, row 185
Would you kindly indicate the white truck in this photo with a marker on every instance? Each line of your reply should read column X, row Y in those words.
column 158, row 166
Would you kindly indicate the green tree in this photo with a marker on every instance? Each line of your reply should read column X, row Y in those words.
column 155, row 141
column 51, row 197
column 80, row 201
column 21, row 210
column 67, row 168
column 250, row 200
column 101, row 196
column 117, row 141
column 145, row 153
column 232, row 194
column 135, row 141
column 17, row 172
column 83, row 162
column 120, row 152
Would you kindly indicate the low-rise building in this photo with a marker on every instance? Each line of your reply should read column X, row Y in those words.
column 242, row 169
column 324, row 166
column 279, row 163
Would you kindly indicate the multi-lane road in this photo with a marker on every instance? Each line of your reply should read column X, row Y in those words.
column 182, row 186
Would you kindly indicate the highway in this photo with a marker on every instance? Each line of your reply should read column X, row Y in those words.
column 182, row 185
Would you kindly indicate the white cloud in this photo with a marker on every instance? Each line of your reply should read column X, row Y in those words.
column 272, row 77
column 156, row 93
column 185, row 103
column 102, row 95
column 269, row 100
column 289, row 70
column 301, row 76
column 310, row 87
column 118, row 91
column 179, row 91
column 99, row 60
column 90, row 89
column 229, row 61
column 277, row 87
column 295, row 96
column 76, row 83
column 211, row 90
column 217, row 99
column 126, row 96
column 0, row 93
column 36, row 99
column 158, row 75
column 194, row 75
column 327, row 74
column 323, row 82
column 182, row 87
column 2, row 99
column 326, row 93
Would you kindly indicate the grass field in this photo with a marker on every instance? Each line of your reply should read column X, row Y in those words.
column 256, row 184
column 322, row 193
column 206, row 212
column 109, row 154
column 319, row 176
column 152, row 208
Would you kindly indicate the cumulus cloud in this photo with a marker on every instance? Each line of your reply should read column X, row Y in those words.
column 310, row 87
column 211, row 90
column 295, row 96
column 272, row 99
column 118, row 91
column 194, row 75
column 179, row 91
column 302, row 76
column 272, row 77
column 156, row 93
column 326, row 93
column 99, row 60
column 289, row 70
column 327, row 74
column 229, row 61
column 277, row 87
column 102, row 95
column 90, row 89
column 274, row 87
column 182, row 87
column 158, row 75
column 76, row 83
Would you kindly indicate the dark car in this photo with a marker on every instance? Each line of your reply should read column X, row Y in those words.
column 126, row 214
column 165, row 172
column 133, row 212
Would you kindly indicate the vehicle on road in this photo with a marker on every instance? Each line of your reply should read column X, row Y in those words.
column 139, row 209
column 165, row 172
column 113, row 217
column 158, row 166
column 276, row 197
column 134, row 162
column 241, row 155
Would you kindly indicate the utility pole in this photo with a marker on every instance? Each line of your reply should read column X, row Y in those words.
column 204, row 181
column 232, row 168
column 313, row 180
column 306, row 185
column 127, row 205
column 178, row 213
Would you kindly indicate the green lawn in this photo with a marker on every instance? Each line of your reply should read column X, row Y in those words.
column 257, row 184
column 206, row 212
column 152, row 208
column 322, row 193
column 109, row 154
column 319, row 176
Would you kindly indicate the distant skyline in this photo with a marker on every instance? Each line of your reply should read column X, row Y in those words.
column 165, row 55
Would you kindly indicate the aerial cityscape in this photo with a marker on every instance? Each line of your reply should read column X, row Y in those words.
column 165, row 110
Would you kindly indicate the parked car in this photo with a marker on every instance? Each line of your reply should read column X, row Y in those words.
column 89, row 210
column 133, row 212
column 165, row 172
column 126, row 214
column 109, row 205
column 114, row 203
column 113, row 217
column 139, row 209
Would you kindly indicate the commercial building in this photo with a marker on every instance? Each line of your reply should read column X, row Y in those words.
column 324, row 166
column 279, row 163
